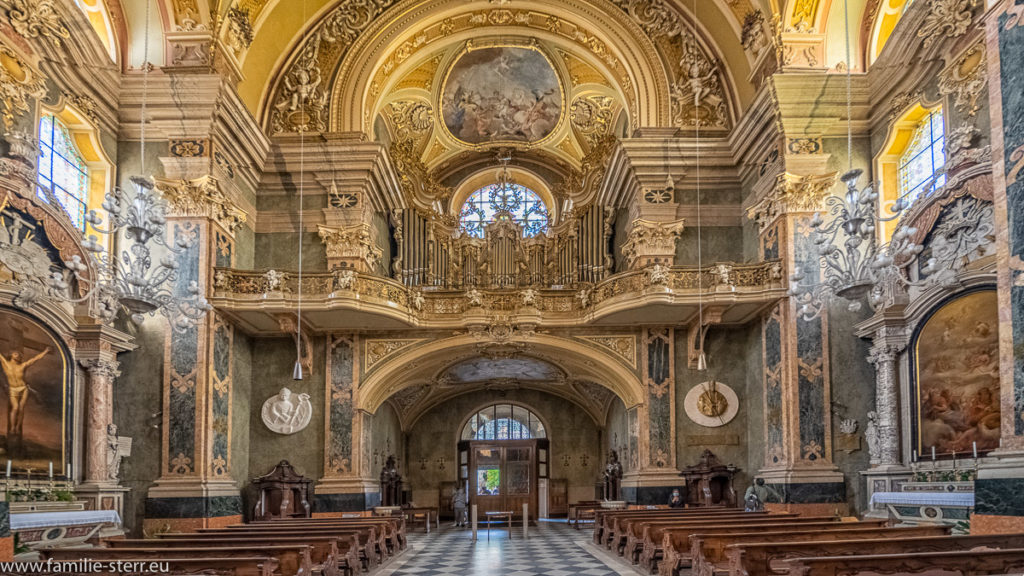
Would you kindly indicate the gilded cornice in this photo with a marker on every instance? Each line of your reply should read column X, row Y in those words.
column 201, row 197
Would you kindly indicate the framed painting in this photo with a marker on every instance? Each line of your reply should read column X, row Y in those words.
column 956, row 377
column 35, row 375
column 501, row 94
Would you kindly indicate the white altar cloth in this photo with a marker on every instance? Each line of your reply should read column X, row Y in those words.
column 965, row 499
column 29, row 520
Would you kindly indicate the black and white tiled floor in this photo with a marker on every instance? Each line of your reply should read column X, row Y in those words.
column 552, row 549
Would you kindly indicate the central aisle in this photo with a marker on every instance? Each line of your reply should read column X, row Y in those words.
column 553, row 549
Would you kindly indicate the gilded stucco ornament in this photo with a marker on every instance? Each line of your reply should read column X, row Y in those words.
column 649, row 242
column 18, row 83
column 946, row 19
column 29, row 263
column 301, row 101
column 35, row 18
column 201, row 197
column 792, row 193
column 287, row 413
column 351, row 247
column 240, row 32
column 966, row 80
column 411, row 118
column 591, row 116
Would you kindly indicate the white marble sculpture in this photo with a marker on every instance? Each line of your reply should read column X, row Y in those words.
column 287, row 413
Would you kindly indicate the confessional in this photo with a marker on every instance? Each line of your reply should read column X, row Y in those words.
column 282, row 493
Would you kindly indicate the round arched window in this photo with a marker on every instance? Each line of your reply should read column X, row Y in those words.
column 503, row 422
column 504, row 200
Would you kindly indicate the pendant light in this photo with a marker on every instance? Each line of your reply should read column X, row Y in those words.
column 702, row 361
column 297, row 369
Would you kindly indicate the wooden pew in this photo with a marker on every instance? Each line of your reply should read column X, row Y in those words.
column 766, row 558
column 628, row 535
column 676, row 541
column 372, row 544
column 617, row 526
column 971, row 562
column 396, row 534
column 603, row 519
column 328, row 553
column 292, row 560
column 653, row 536
column 707, row 551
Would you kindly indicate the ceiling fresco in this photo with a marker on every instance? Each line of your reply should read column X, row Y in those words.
column 501, row 93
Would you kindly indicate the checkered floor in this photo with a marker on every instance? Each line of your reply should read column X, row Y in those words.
column 552, row 549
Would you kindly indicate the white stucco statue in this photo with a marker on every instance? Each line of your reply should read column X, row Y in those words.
column 287, row 413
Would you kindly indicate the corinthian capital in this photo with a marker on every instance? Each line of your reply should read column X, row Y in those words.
column 650, row 242
column 792, row 193
column 98, row 367
column 883, row 353
column 201, row 197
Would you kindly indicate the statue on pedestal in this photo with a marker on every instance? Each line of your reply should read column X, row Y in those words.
column 390, row 483
column 612, row 477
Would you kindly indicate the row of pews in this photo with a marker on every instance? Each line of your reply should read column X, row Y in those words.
column 719, row 541
column 289, row 547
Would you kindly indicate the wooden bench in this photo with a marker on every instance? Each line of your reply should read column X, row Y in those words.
column 653, row 536
column 396, row 523
column 617, row 527
column 707, row 551
column 603, row 519
column 676, row 546
column 971, row 562
column 328, row 553
column 373, row 537
column 292, row 560
column 628, row 536
column 766, row 558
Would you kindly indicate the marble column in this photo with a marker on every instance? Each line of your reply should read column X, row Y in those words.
column 99, row 416
column 885, row 446
column 998, row 504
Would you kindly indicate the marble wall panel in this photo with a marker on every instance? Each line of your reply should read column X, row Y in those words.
column 341, row 354
column 1011, row 45
column 660, row 385
column 221, row 383
column 184, row 367
column 773, row 415
column 811, row 363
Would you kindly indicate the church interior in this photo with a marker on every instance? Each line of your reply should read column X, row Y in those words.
column 299, row 279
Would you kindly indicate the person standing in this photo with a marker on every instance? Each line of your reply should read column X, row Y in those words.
column 459, row 502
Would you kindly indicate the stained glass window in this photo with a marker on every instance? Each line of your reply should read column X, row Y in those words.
column 923, row 158
column 507, row 200
column 62, row 169
column 503, row 422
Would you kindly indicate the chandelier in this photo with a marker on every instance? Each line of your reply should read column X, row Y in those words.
column 856, row 266
column 133, row 281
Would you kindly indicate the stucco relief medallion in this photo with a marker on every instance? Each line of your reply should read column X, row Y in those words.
column 286, row 412
column 711, row 404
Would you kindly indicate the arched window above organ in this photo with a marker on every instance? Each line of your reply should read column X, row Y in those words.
column 504, row 200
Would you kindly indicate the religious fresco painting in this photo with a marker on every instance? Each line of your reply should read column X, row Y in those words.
column 35, row 379
column 957, row 375
column 501, row 94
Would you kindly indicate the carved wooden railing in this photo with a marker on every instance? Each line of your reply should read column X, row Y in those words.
column 240, row 286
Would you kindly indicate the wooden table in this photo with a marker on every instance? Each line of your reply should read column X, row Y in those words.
column 491, row 516
column 411, row 513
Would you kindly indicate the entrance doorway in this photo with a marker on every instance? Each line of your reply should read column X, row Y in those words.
column 502, row 456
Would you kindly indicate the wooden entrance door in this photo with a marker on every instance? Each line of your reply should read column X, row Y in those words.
column 503, row 476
